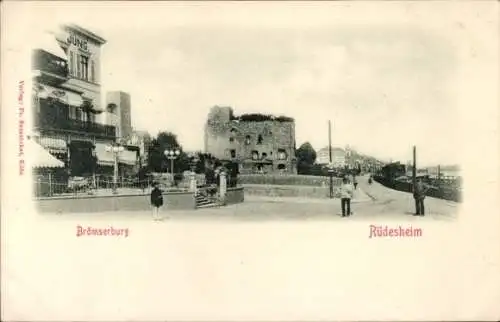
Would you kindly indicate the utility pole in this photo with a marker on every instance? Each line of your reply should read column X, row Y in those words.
column 414, row 174
column 330, row 170
column 439, row 175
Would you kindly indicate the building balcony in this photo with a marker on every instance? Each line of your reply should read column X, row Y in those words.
column 65, row 124
column 49, row 68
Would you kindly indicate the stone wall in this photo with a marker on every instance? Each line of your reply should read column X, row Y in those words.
column 96, row 204
column 225, row 138
column 290, row 191
column 235, row 195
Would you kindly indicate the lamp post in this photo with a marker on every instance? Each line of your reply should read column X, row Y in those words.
column 194, row 161
column 192, row 180
column 172, row 155
column 115, row 149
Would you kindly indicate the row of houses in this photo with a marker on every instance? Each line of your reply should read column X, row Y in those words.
column 346, row 157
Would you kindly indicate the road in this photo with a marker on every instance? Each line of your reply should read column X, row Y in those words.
column 370, row 202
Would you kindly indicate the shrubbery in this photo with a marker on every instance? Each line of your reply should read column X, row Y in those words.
column 257, row 117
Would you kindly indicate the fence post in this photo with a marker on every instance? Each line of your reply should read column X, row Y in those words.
column 192, row 182
column 222, row 187
column 50, row 184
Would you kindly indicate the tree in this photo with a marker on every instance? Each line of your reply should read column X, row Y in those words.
column 203, row 158
column 89, row 109
column 158, row 162
column 306, row 156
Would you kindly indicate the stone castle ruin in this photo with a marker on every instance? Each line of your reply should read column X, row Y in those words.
column 258, row 143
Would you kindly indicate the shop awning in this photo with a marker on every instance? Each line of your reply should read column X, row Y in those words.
column 103, row 157
column 65, row 96
column 41, row 157
column 47, row 42
column 127, row 157
column 53, row 145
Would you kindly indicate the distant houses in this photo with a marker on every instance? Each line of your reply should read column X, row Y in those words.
column 338, row 157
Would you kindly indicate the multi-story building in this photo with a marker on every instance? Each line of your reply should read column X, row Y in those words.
column 67, row 99
column 118, row 113
column 258, row 143
column 338, row 157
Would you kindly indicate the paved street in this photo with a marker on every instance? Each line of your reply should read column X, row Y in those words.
column 371, row 202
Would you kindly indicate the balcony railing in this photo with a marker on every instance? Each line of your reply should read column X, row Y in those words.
column 50, row 65
column 62, row 123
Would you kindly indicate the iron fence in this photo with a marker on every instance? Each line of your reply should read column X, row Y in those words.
column 44, row 188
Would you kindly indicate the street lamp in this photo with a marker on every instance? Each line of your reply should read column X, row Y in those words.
column 115, row 149
column 172, row 155
column 194, row 161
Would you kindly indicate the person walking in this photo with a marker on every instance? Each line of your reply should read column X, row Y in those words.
column 346, row 193
column 419, row 195
column 156, row 201
column 355, row 181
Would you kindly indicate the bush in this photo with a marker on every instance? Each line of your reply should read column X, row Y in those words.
column 292, row 180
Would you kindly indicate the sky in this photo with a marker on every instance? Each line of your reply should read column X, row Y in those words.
column 386, row 81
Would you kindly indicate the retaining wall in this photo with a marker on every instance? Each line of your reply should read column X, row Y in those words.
column 235, row 195
column 290, row 191
column 92, row 204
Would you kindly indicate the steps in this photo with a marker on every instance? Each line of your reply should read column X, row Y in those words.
column 202, row 201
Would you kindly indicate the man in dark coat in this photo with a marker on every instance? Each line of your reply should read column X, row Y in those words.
column 419, row 195
column 233, row 173
column 156, row 201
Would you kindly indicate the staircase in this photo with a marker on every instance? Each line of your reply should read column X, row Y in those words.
column 203, row 201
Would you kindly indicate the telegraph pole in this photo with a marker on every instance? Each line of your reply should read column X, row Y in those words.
column 439, row 176
column 330, row 170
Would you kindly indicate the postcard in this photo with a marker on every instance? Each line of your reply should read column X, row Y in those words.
column 239, row 161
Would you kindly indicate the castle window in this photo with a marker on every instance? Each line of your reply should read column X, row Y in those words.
column 231, row 139
column 255, row 155
column 259, row 139
column 282, row 154
column 233, row 153
column 247, row 140
column 281, row 167
column 264, row 155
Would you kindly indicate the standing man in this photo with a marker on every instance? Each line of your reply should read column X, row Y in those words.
column 156, row 201
column 419, row 195
column 346, row 193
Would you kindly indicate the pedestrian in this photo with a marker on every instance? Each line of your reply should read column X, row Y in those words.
column 419, row 192
column 346, row 193
column 156, row 201
column 355, row 181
